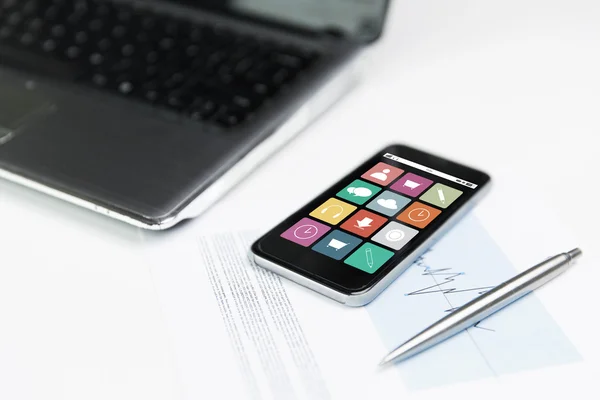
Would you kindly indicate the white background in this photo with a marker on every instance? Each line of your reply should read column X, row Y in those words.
column 511, row 87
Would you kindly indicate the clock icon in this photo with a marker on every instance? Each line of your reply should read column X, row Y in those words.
column 419, row 215
column 306, row 231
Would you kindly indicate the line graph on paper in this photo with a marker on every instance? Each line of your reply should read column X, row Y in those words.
column 447, row 282
column 465, row 263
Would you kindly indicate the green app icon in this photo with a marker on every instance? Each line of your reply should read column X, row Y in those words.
column 358, row 192
column 369, row 257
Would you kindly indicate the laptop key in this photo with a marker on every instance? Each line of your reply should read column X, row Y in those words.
column 229, row 116
column 202, row 109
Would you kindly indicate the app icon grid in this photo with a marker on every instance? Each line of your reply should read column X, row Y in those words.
column 386, row 237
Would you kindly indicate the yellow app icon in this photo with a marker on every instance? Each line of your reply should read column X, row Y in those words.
column 333, row 211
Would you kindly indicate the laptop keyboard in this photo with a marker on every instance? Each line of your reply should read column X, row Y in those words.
column 205, row 72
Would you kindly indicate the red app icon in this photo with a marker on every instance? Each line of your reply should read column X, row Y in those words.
column 364, row 223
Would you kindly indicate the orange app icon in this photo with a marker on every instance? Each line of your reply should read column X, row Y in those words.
column 419, row 215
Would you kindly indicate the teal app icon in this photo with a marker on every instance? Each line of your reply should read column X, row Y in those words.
column 337, row 245
column 369, row 257
column 358, row 192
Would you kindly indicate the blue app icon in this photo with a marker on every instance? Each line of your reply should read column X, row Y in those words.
column 337, row 245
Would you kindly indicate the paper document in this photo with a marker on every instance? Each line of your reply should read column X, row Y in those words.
column 287, row 342
column 262, row 326
column 464, row 264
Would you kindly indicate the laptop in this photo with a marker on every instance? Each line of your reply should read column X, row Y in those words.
column 149, row 111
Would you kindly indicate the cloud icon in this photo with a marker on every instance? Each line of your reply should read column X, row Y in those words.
column 388, row 203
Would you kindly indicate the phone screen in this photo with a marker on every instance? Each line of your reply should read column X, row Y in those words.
column 356, row 232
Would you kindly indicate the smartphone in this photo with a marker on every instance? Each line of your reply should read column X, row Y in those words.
column 357, row 237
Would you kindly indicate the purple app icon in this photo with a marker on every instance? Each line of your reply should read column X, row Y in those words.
column 305, row 232
column 411, row 185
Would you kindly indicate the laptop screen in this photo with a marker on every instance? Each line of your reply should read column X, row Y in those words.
column 362, row 19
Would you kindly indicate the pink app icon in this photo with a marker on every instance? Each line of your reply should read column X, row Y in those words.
column 305, row 232
column 382, row 174
column 411, row 185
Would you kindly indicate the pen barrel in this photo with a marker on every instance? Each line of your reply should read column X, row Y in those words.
column 506, row 293
column 484, row 306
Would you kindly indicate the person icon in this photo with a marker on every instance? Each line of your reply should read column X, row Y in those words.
column 382, row 176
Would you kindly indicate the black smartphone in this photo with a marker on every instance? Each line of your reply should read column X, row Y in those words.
column 354, row 239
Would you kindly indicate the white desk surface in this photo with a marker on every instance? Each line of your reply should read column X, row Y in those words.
column 511, row 87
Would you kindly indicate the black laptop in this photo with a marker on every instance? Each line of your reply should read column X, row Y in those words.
column 148, row 111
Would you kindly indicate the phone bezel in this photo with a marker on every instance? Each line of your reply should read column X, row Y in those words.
column 341, row 277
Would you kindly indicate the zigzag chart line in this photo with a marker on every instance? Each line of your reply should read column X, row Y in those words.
column 448, row 278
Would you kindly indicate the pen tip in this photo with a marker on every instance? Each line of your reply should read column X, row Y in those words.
column 385, row 361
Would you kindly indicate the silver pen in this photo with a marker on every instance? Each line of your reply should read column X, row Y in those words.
column 484, row 306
